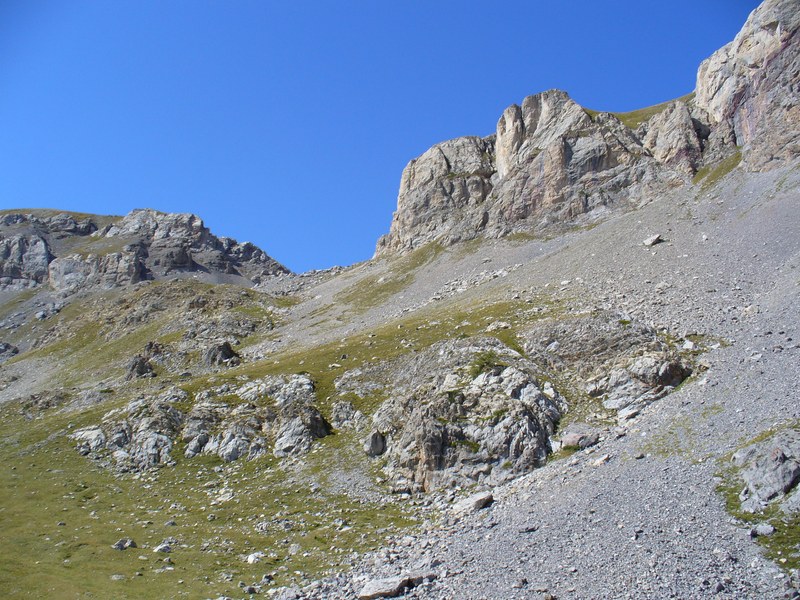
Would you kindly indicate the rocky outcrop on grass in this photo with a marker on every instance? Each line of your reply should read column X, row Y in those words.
column 625, row 364
column 771, row 473
column 460, row 412
column 272, row 414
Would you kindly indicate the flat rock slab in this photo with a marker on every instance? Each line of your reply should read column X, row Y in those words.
column 653, row 240
column 473, row 503
column 384, row 588
column 393, row 586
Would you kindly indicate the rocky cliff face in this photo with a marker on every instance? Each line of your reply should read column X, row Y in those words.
column 748, row 89
column 71, row 253
column 552, row 163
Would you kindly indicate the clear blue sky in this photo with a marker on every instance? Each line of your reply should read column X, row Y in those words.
column 288, row 123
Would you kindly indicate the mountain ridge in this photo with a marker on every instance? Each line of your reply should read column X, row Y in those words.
column 604, row 406
column 552, row 163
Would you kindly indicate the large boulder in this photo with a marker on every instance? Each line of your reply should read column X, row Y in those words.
column 451, row 425
column 771, row 472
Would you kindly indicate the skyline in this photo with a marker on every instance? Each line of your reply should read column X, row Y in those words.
column 289, row 125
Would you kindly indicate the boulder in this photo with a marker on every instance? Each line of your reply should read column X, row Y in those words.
column 473, row 503
column 139, row 367
column 375, row 444
column 770, row 470
column 221, row 354
column 389, row 587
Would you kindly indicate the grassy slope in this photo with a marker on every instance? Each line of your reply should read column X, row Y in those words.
column 52, row 483
column 635, row 118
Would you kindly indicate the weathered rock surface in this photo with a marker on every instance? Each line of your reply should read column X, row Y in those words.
column 472, row 503
column 478, row 411
column 771, row 471
column 231, row 423
column 551, row 163
column 7, row 351
column 672, row 137
column 749, row 87
column 221, row 354
column 72, row 254
column 624, row 363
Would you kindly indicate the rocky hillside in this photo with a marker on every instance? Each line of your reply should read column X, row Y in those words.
column 71, row 252
column 604, row 411
column 552, row 164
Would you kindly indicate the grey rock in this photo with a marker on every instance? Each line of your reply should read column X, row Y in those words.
column 389, row 587
column 770, row 470
column 672, row 138
column 762, row 529
column 90, row 439
column 582, row 438
column 221, row 354
column 473, row 503
column 124, row 544
column 652, row 240
column 748, row 87
column 24, row 259
column 7, row 351
column 375, row 444
column 497, row 425
column 139, row 367
column 345, row 416
column 549, row 164
column 73, row 255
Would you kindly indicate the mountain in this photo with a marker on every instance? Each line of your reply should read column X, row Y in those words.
column 70, row 251
column 552, row 163
column 569, row 371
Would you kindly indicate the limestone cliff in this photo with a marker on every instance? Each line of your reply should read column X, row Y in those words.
column 72, row 252
column 551, row 163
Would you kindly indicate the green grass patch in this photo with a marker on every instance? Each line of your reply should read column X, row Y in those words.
column 45, row 482
column 677, row 438
column 374, row 290
column 485, row 362
column 635, row 118
column 711, row 174
column 783, row 546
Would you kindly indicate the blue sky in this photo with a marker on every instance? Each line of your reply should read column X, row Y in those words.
column 288, row 123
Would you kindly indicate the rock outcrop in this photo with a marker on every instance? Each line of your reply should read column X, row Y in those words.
column 551, row 163
column 771, row 473
column 232, row 423
column 748, row 88
column 460, row 412
column 74, row 254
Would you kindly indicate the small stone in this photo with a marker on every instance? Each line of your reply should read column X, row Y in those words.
column 653, row 240
column 124, row 544
column 762, row 529
column 602, row 460
column 163, row 547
